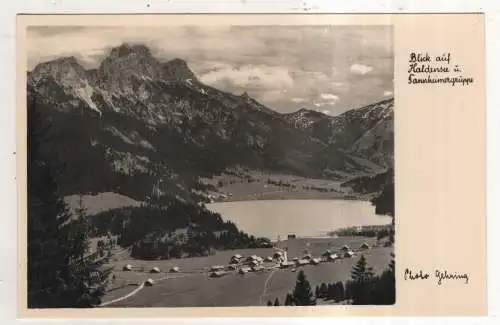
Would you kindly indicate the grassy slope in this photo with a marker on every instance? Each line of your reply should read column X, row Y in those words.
column 194, row 288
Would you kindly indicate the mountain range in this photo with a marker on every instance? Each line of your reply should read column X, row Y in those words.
column 136, row 123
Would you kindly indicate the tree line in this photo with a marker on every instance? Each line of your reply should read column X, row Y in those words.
column 60, row 274
column 363, row 288
column 60, row 271
column 179, row 229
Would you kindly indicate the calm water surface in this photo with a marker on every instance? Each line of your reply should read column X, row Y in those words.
column 273, row 218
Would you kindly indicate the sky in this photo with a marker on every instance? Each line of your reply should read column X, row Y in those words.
column 326, row 68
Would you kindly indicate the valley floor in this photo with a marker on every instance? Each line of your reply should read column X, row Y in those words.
column 193, row 287
column 260, row 186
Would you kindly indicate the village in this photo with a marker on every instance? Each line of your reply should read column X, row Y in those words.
column 239, row 264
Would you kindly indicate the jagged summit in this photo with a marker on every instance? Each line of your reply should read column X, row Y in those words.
column 62, row 63
column 128, row 48
column 65, row 69
column 177, row 62
column 177, row 69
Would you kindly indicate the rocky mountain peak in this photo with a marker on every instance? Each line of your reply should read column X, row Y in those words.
column 65, row 69
column 177, row 69
column 127, row 49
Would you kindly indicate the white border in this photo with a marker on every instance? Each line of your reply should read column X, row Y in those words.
column 8, row 226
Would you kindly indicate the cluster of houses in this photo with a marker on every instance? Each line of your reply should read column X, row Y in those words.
column 256, row 263
column 218, row 197
column 129, row 267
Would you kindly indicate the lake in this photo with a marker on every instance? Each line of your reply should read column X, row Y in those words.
column 305, row 218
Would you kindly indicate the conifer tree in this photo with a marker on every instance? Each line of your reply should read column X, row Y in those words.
column 362, row 277
column 385, row 287
column 361, row 272
column 340, row 292
column 269, row 303
column 323, row 290
column 288, row 300
column 59, row 275
column 276, row 302
column 302, row 294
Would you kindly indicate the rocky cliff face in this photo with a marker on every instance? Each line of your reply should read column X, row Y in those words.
column 135, row 124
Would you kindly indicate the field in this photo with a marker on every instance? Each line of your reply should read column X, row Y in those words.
column 252, row 185
column 192, row 286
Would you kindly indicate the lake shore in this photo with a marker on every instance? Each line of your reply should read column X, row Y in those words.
column 281, row 195
column 303, row 218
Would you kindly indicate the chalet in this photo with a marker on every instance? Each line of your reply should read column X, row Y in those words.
column 217, row 274
column 254, row 263
column 175, row 269
column 155, row 270
column 269, row 259
column 285, row 265
column 217, row 268
column 127, row 267
column 251, row 258
column 349, row 254
column 315, row 261
column 332, row 257
column 365, row 246
column 327, row 253
column 243, row 270
column 302, row 262
column 149, row 282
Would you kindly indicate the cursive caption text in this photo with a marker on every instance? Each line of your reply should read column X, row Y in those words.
column 428, row 69
column 440, row 276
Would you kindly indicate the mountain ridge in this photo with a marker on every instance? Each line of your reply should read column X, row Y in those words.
column 135, row 120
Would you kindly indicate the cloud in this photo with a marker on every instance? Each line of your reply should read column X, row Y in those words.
column 250, row 76
column 360, row 69
column 283, row 67
column 388, row 93
column 322, row 104
column 330, row 96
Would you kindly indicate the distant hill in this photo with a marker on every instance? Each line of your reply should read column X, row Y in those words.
column 365, row 132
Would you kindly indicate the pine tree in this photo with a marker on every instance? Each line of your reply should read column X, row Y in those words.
column 317, row 292
column 302, row 294
column 341, row 291
column 361, row 272
column 385, row 287
column 385, row 203
column 362, row 277
column 288, row 300
column 276, row 302
column 59, row 276
column 331, row 293
column 269, row 303
column 323, row 290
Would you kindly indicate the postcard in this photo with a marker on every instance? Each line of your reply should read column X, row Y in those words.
column 251, row 165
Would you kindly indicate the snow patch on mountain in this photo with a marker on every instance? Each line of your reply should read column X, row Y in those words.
column 133, row 138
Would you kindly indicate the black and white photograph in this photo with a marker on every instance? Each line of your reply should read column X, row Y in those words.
column 210, row 166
